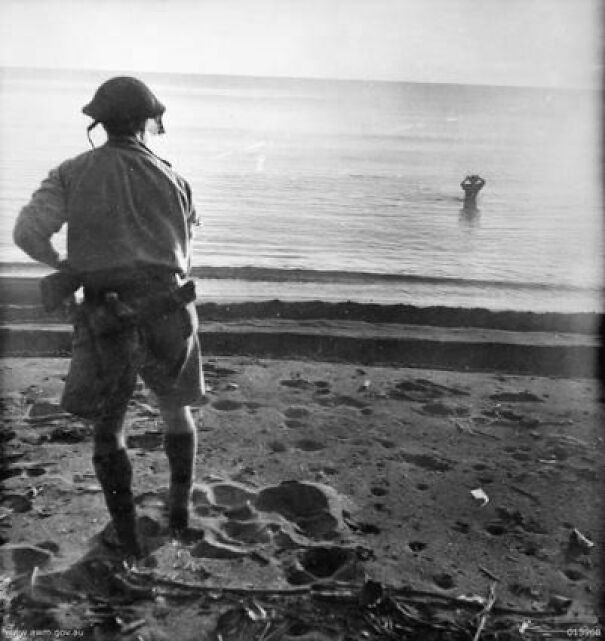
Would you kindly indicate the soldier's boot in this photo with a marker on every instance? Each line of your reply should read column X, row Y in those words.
column 114, row 472
column 180, row 449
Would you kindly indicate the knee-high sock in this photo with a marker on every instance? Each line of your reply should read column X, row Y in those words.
column 180, row 448
column 114, row 473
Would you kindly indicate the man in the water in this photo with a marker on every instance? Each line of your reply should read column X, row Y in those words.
column 472, row 185
column 129, row 220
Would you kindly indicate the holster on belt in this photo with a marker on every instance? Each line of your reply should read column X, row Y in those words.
column 113, row 315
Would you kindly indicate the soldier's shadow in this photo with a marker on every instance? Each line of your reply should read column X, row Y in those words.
column 95, row 586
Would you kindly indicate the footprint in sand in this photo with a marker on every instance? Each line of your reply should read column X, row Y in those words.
column 296, row 383
column 322, row 388
column 309, row 445
column 521, row 456
column 277, row 447
column 212, row 370
column 441, row 409
column 516, row 397
column 235, row 519
column 515, row 518
column 324, row 563
column 330, row 471
column 423, row 390
column 496, row 529
column 229, row 494
column 248, row 532
column 30, row 470
column 484, row 479
column 344, row 401
column 294, row 424
column 34, row 471
column 574, row 575
column 444, row 581
column 296, row 412
column 426, row 461
column 227, row 405
column 307, row 507
column 16, row 502
column 363, row 528
column 241, row 512
column 417, row 546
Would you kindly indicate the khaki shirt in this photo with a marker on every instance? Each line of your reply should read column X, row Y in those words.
column 125, row 208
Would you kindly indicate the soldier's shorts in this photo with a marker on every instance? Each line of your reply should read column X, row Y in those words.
column 164, row 351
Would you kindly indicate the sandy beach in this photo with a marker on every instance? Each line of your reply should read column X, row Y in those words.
column 324, row 460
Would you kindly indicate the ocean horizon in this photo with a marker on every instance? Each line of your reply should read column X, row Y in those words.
column 349, row 189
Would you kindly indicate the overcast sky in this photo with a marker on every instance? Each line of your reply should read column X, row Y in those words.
column 516, row 42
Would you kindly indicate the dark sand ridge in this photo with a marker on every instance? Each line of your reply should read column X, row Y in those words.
column 444, row 338
column 23, row 293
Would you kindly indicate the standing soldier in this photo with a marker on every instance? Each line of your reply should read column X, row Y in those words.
column 129, row 219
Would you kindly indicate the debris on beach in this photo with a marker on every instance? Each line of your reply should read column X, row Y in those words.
column 480, row 495
column 134, row 601
column 578, row 543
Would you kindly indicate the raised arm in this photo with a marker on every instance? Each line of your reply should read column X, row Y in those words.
column 42, row 217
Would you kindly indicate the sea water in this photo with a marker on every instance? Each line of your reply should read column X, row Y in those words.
column 357, row 184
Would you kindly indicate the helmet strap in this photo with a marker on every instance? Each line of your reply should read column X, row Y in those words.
column 88, row 130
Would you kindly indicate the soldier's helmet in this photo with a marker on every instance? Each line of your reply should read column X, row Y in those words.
column 123, row 99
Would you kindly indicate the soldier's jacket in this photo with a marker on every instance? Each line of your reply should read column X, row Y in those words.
column 125, row 208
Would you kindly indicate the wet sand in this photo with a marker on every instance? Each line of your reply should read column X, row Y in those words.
column 311, row 472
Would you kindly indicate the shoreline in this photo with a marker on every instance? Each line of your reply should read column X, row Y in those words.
column 257, row 284
column 20, row 302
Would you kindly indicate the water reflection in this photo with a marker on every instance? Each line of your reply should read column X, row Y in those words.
column 470, row 215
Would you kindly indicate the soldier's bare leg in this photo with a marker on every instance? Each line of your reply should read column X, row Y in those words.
column 114, row 472
column 180, row 445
